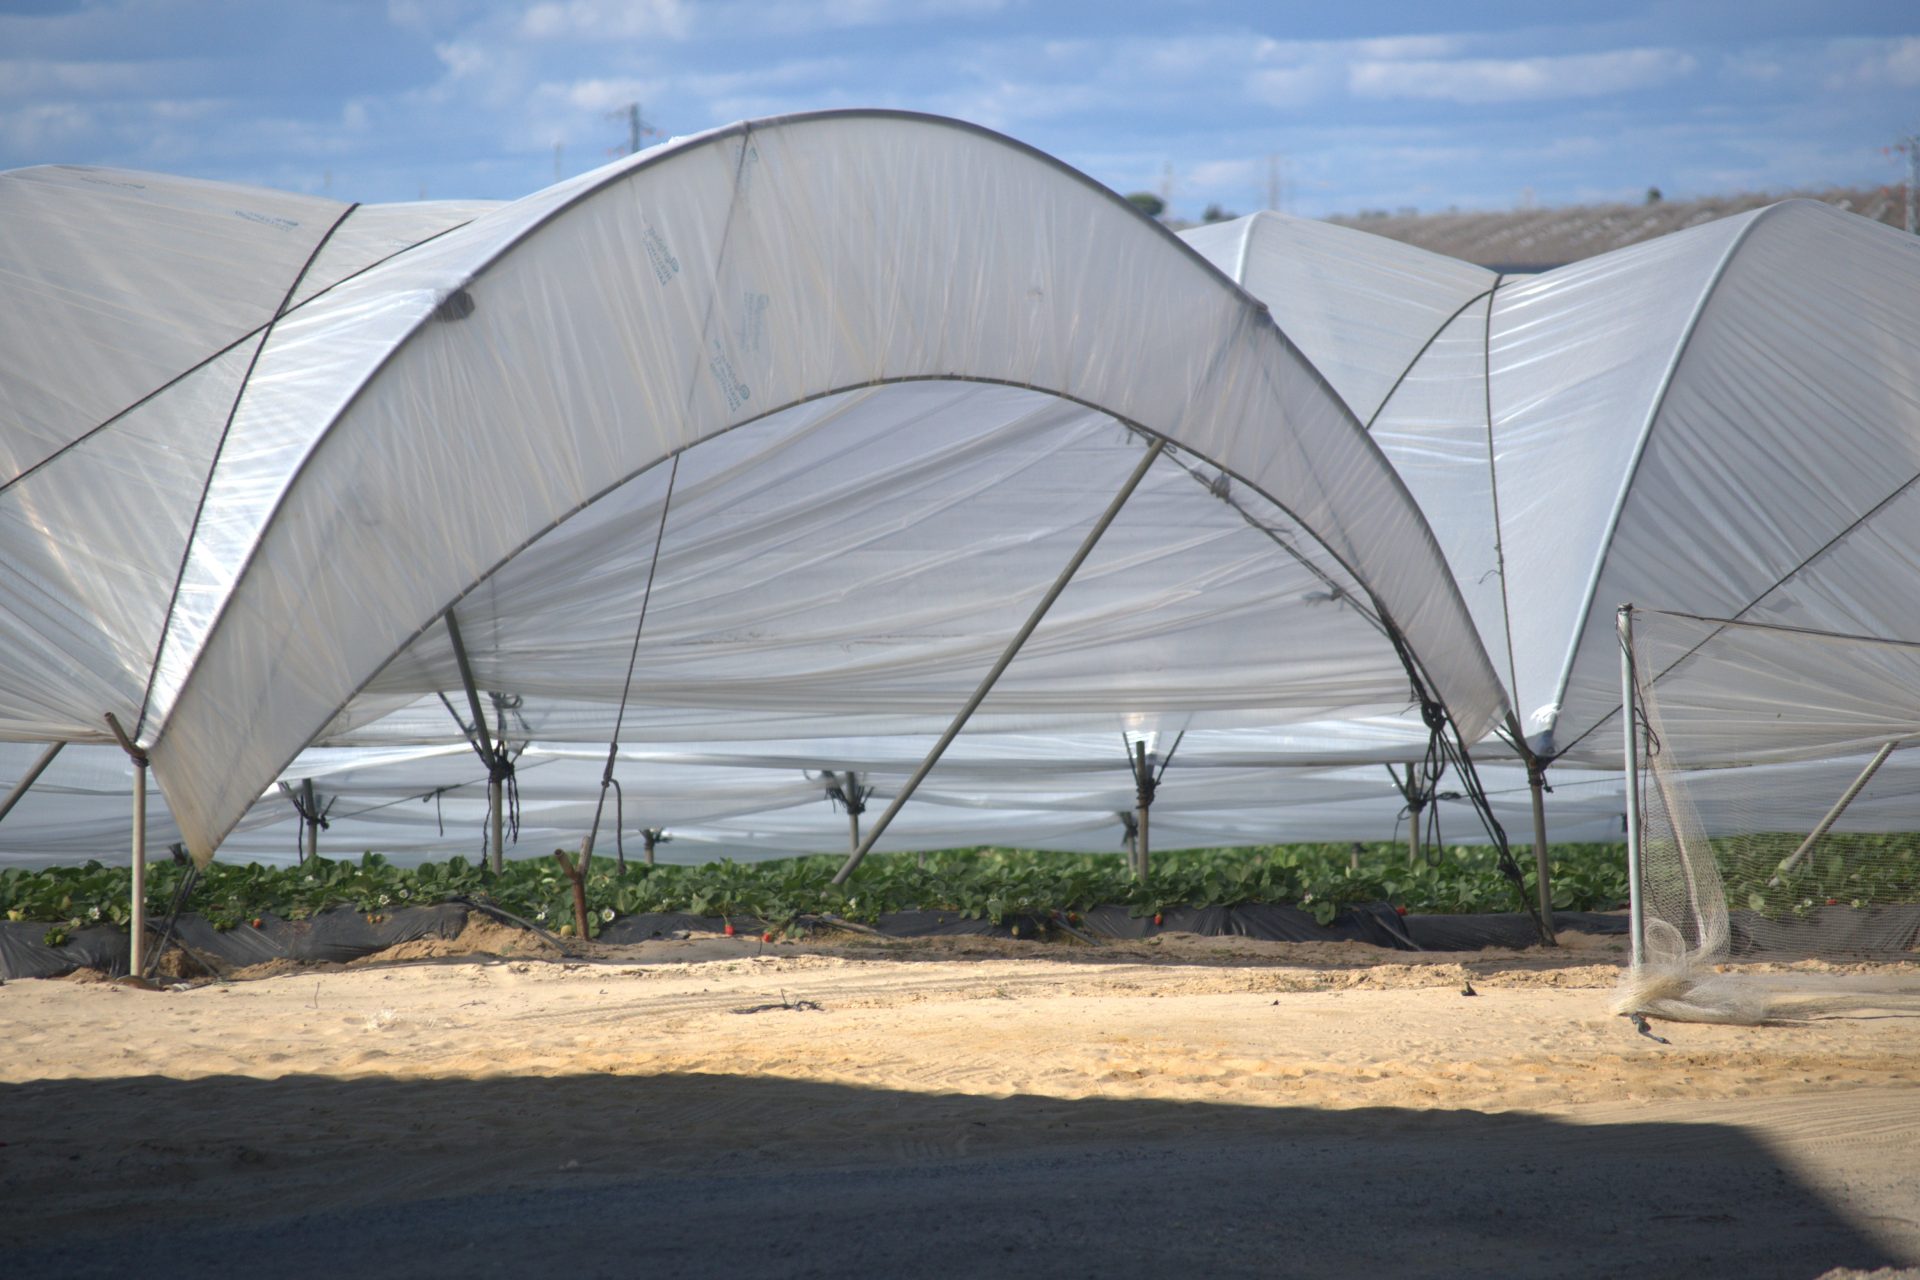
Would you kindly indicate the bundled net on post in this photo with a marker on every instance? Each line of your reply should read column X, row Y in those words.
column 1779, row 821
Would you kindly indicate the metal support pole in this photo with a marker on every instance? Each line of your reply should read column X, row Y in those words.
column 1142, row 851
column 1636, row 918
column 1005, row 660
column 496, row 826
column 137, row 930
column 26, row 782
column 1542, row 865
column 137, row 942
column 1825, row 825
column 483, row 741
column 1143, row 802
column 483, row 745
column 312, row 814
column 1415, row 806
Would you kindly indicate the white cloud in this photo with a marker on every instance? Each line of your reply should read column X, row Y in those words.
column 794, row 17
column 801, row 73
column 602, row 95
column 1007, row 104
column 1215, row 175
column 464, row 58
column 106, row 78
column 1292, row 86
column 1396, row 48
column 606, row 20
column 1581, row 75
column 48, row 128
column 1755, row 68
column 1894, row 65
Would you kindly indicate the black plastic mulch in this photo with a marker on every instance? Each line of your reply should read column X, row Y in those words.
column 332, row 936
column 1838, row 930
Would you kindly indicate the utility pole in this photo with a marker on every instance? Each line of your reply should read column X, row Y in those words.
column 637, row 126
column 1911, row 145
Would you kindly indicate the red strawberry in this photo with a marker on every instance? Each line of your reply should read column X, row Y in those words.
column 729, row 928
column 1156, row 917
column 1833, row 902
column 256, row 922
column 767, row 936
column 1400, row 910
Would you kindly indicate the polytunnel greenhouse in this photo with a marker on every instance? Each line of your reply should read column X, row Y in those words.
column 1718, row 422
column 789, row 403
column 761, row 443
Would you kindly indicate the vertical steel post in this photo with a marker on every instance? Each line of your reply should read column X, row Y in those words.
column 1636, row 919
column 496, row 825
column 312, row 814
column 484, row 747
column 137, row 943
column 1542, row 865
column 1004, row 661
column 1415, row 807
column 1142, row 851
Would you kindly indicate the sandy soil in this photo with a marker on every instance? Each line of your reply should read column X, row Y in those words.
column 349, row 1091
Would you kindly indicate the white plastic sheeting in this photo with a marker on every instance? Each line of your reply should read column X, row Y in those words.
column 824, row 572
column 1361, row 307
column 1725, row 421
column 131, row 308
column 1740, row 693
column 750, row 800
column 407, row 432
column 895, row 419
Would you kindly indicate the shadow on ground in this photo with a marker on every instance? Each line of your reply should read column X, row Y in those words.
column 693, row 1175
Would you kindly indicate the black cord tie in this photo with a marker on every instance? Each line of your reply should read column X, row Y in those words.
column 500, row 769
column 845, row 792
column 1444, row 743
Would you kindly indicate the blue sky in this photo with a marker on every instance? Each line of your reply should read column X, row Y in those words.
column 1364, row 105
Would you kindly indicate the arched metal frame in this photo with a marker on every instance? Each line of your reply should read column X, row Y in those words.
column 347, row 424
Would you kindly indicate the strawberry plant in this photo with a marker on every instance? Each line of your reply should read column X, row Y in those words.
column 1000, row 885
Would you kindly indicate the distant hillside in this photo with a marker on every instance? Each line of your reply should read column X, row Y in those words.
column 1533, row 239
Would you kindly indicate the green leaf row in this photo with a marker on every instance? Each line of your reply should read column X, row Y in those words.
column 997, row 884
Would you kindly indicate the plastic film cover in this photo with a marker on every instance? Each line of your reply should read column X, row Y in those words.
column 1577, row 359
column 1778, row 481
column 1360, row 307
column 772, row 264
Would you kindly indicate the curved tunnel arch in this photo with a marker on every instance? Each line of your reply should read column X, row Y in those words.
column 1795, row 380
column 637, row 312
column 992, row 503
